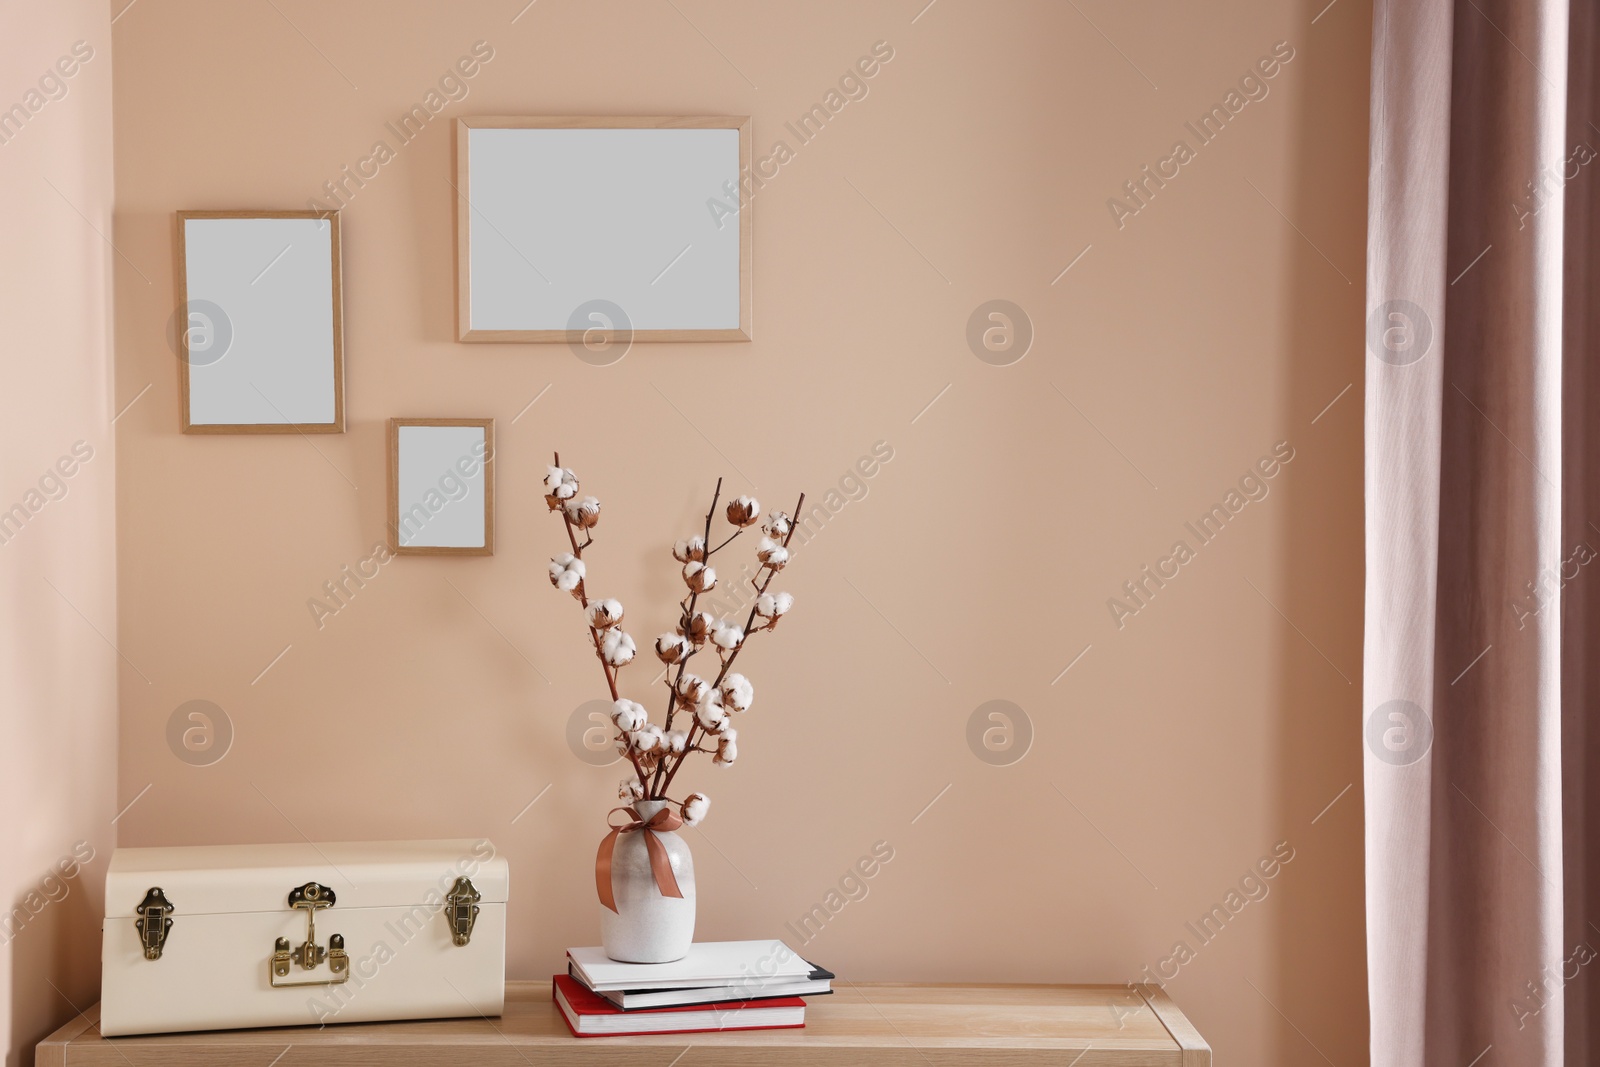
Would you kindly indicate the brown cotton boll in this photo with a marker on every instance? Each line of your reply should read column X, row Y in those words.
column 711, row 714
column 737, row 693
column 604, row 614
column 567, row 572
column 617, row 648
column 743, row 511
column 560, row 486
column 697, row 627
column 647, row 738
column 699, row 578
column 672, row 648
column 584, row 513
column 771, row 554
column 690, row 550
column 691, row 689
column 727, row 637
column 694, row 808
column 771, row 607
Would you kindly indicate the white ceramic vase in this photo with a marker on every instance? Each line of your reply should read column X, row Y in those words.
column 648, row 927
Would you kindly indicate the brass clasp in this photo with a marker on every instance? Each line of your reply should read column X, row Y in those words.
column 310, row 898
column 461, row 908
column 154, row 922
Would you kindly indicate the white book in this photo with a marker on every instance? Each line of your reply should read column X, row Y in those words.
column 740, row 964
column 820, row 982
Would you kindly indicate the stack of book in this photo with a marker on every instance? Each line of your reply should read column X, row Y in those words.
column 719, row 985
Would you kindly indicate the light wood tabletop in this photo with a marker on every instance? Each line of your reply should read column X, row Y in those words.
column 895, row 1025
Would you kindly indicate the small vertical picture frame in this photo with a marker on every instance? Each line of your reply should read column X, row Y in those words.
column 441, row 487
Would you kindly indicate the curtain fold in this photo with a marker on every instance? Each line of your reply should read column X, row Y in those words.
column 1581, row 527
column 1472, row 908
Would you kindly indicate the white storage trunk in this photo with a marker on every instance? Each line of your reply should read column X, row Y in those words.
column 221, row 937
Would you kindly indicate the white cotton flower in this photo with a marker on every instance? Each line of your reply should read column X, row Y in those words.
column 698, row 577
column 647, row 738
column 677, row 740
column 773, row 606
column 560, row 485
column 695, row 806
column 737, row 692
column 617, row 647
column 566, row 572
column 778, row 525
column 584, row 513
column 727, row 636
column 772, row 554
column 558, row 478
column 711, row 715
column 628, row 715
column 604, row 614
column 672, row 648
column 727, row 752
column 690, row 550
column 743, row 511
column 629, row 790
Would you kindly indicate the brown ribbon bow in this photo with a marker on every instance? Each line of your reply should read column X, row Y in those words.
column 664, row 820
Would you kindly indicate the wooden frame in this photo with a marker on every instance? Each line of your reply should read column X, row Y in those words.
column 463, row 208
column 338, row 424
column 392, row 511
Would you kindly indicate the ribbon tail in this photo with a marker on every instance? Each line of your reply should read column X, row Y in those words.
column 602, row 870
column 661, row 865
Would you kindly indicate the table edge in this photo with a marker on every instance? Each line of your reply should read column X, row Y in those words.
column 1195, row 1051
column 1192, row 1048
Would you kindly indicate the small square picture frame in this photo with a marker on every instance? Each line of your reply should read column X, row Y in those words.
column 435, row 467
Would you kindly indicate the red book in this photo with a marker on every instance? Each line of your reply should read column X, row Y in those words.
column 590, row 1015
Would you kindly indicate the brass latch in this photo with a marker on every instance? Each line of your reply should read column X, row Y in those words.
column 154, row 922
column 461, row 908
column 310, row 898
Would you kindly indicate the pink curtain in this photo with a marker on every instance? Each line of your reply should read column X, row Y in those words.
column 1480, row 534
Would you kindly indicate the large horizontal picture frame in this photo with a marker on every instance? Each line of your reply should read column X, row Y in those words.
column 193, row 363
column 473, row 220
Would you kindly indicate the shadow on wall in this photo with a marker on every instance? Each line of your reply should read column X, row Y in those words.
column 50, row 929
column 1320, row 757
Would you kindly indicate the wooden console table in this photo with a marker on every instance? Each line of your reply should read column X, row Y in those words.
column 895, row 1025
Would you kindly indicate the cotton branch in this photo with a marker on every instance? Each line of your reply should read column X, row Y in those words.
column 649, row 748
column 594, row 634
column 686, row 614
column 727, row 663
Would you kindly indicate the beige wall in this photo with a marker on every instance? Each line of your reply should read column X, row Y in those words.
column 1176, row 753
column 58, row 612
